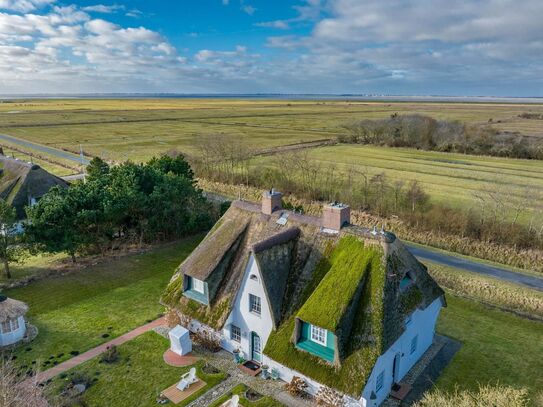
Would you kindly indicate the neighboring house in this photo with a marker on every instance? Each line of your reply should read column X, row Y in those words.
column 336, row 304
column 23, row 183
column 12, row 321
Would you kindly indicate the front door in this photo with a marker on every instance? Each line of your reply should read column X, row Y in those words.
column 396, row 369
column 256, row 347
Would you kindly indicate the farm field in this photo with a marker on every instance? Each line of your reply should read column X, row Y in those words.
column 137, row 129
column 453, row 179
column 140, row 128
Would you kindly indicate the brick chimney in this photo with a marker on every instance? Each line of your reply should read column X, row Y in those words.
column 271, row 201
column 335, row 216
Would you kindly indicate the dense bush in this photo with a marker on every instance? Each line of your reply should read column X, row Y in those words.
column 486, row 396
column 426, row 133
column 120, row 205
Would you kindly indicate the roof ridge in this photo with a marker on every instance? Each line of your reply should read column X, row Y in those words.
column 276, row 239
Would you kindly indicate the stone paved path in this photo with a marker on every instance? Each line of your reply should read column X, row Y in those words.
column 224, row 361
column 77, row 360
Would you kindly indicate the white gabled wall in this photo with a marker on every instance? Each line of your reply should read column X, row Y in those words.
column 247, row 321
column 422, row 324
column 13, row 336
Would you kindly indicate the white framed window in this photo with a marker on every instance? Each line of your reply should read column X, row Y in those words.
column 414, row 344
column 235, row 333
column 254, row 304
column 318, row 335
column 14, row 324
column 380, row 381
column 254, row 277
column 6, row 327
column 198, row 285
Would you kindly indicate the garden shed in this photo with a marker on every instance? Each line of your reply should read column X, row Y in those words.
column 12, row 321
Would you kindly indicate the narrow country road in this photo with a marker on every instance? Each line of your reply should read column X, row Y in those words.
column 451, row 260
column 44, row 149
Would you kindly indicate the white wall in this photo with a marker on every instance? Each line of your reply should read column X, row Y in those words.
column 14, row 336
column 245, row 320
column 422, row 324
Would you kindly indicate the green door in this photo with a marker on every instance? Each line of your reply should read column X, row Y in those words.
column 256, row 346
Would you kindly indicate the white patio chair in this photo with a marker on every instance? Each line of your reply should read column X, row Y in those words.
column 187, row 379
column 234, row 401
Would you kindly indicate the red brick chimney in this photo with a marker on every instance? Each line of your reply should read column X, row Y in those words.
column 335, row 216
column 271, row 201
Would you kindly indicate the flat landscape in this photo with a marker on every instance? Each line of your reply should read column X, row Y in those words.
column 138, row 129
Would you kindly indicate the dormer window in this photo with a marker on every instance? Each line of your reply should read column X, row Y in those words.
column 406, row 281
column 198, row 285
column 318, row 335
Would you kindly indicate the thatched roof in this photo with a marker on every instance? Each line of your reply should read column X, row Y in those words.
column 11, row 309
column 21, row 181
column 347, row 282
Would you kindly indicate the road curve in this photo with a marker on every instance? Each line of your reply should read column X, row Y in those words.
column 469, row 265
column 44, row 149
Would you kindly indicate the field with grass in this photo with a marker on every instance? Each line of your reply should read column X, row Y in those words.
column 453, row 179
column 83, row 309
column 136, row 379
column 139, row 129
column 497, row 347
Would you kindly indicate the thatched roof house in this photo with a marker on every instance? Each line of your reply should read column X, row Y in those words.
column 11, row 309
column 12, row 322
column 331, row 299
column 22, row 183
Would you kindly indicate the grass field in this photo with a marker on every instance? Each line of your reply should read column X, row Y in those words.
column 453, row 179
column 83, row 309
column 139, row 129
column 137, row 378
column 496, row 347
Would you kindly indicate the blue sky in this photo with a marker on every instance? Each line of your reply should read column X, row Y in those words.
column 416, row 47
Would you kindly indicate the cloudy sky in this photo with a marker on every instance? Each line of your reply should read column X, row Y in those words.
column 401, row 47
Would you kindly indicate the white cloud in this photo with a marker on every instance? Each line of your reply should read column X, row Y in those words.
column 101, row 8
column 24, row 6
column 248, row 9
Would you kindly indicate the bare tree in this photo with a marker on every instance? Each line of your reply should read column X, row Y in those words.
column 15, row 392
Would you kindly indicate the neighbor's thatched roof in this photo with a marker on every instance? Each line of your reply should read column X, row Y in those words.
column 20, row 181
column 11, row 309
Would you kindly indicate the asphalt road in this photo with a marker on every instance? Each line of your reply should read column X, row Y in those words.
column 44, row 149
column 475, row 267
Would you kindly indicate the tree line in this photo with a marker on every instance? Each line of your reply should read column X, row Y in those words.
column 426, row 133
column 114, row 207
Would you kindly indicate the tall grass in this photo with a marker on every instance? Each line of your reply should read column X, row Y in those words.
column 521, row 300
column 486, row 396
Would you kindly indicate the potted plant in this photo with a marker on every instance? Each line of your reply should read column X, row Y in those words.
column 236, row 355
column 265, row 371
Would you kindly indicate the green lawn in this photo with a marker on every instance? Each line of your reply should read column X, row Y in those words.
column 496, row 347
column 137, row 378
column 240, row 390
column 32, row 266
column 83, row 309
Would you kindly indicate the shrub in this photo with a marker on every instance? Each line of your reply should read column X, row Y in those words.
column 111, row 355
column 208, row 340
column 297, row 386
column 485, row 396
column 329, row 397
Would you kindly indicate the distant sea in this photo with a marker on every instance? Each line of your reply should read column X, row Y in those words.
column 276, row 96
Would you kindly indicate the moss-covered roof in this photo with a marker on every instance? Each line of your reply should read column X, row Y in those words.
column 328, row 303
column 348, row 282
column 20, row 181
